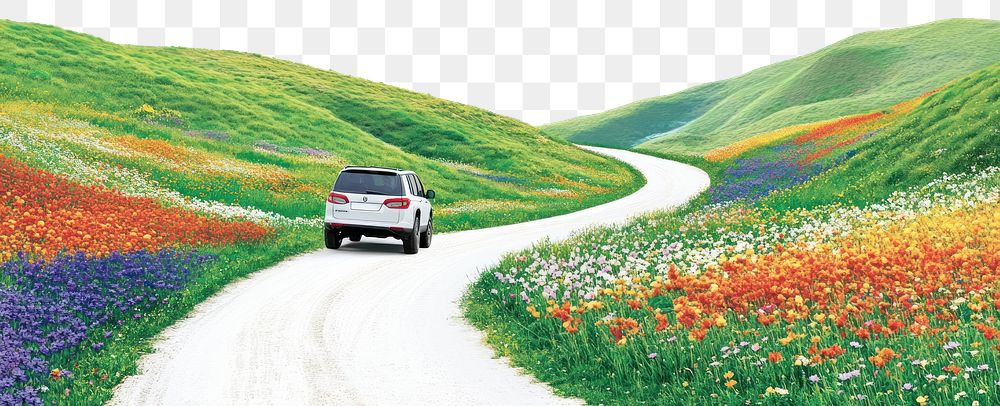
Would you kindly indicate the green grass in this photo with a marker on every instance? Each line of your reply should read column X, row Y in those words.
column 954, row 131
column 861, row 73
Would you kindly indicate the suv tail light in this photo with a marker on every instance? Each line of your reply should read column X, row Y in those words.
column 397, row 203
column 337, row 198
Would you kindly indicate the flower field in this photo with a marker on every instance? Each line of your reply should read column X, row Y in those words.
column 114, row 225
column 797, row 278
column 47, row 216
column 79, row 261
column 788, row 157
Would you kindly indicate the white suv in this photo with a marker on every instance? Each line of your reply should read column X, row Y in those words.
column 379, row 202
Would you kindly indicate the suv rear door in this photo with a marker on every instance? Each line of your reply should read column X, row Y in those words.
column 423, row 204
column 366, row 191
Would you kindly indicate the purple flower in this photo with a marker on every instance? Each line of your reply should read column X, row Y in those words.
column 56, row 304
column 951, row 345
column 754, row 178
column 907, row 386
column 814, row 378
column 651, row 355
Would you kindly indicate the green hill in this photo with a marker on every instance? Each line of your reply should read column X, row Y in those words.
column 252, row 109
column 861, row 73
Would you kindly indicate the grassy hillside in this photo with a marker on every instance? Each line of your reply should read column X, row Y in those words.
column 852, row 260
column 864, row 72
column 245, row 105
column 135, row 182
column 953, row 130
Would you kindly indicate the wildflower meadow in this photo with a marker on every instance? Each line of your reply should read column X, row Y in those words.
column 127, row 199
column 797, row 278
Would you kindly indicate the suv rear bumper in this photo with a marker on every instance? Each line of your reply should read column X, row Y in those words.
column 368, row 231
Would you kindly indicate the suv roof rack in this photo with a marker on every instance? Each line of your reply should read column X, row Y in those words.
column 374, row 167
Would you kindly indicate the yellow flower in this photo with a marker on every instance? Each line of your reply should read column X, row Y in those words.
column 922, row 400
column 729, row 375
column 730, row 383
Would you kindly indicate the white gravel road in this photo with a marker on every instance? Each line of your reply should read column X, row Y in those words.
column 368, row 325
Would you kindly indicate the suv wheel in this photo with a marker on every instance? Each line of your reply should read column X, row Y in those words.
column 411, row 243
column 332, row 240
column 425, row 237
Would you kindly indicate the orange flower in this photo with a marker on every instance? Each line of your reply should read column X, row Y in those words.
column 661, row 321
column 832, row 351
column 882, row 356
column 572, row 325
column 774, row 356
column 621, row 327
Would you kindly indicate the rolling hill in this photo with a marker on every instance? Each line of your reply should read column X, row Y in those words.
column 864, row 72
column 263, row 111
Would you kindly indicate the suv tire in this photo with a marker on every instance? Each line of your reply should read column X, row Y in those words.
column 425, row 237
column 411, row 243
column 332, row 240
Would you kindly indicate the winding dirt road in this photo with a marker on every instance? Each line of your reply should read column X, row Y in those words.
column 368, row 325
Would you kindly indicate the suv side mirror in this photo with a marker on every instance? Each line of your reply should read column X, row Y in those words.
column 429, row 194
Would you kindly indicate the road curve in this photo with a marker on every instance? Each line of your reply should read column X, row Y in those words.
column 368, row 325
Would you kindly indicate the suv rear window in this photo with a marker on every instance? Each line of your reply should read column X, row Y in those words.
column 369, row 182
